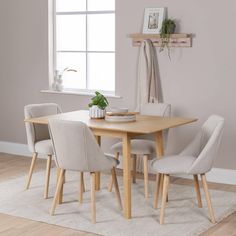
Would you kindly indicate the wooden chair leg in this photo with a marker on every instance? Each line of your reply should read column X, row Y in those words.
column 31, row 169
column 134, row 161
column 58, row 189
column 157, row 190
column 161, row 187
column 60, row 198
column 58, row 173
column 111, row 179
column 197, row 190
column 81, row 190
column 47, row 177
column 161, row 184
column 117, row 191
column 208, row 198
column 93, row 197
column 145, row 172
column 82, row 179
column 98, row 181
column 164, row 196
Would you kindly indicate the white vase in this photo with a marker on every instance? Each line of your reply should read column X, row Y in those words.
column 96, row 113
column 58, row 82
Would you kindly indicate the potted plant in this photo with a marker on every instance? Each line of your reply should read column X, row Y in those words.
column 168, row 28
column 97, row 107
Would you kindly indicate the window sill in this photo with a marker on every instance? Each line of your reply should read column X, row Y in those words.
column 80, row 93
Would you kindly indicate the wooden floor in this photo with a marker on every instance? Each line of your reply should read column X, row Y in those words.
column 14, row 166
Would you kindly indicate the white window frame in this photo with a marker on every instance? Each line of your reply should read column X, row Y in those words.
column 55, row 51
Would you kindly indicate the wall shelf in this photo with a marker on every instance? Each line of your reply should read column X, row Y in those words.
column 176, row 40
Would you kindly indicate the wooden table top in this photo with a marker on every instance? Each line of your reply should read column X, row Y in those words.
column 143, row 125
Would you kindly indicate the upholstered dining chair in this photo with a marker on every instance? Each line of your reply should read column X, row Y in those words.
column 38, row 138
column 143, row 145
column 196, row 159
column 76, row 149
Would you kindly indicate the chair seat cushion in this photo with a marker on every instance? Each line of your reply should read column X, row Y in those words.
column 138, row 147
column 173, row 164
column 44, row 147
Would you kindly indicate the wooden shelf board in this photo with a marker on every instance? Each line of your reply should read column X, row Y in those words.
column 147, row 36
column 176, row 40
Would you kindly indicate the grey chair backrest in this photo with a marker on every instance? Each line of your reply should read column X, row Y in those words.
column 38, row 132
column 157, row 109
column 205, row 145
column 76, row 148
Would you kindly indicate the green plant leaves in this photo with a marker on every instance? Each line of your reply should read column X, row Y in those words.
column 99, row 100
column 168, row 28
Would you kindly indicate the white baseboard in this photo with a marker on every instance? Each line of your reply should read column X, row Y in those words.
column 217, row 175
column 17, row 149
column 14, row 148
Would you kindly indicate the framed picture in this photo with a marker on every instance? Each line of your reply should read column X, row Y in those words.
column 153, row 18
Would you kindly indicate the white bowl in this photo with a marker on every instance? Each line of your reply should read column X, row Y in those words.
column 120, row 118
column 119, row 109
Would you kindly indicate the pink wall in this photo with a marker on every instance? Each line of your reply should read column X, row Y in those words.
column 197, row 82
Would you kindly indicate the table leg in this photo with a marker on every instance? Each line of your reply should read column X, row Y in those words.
column 127, row 176
column 160, row 145
column 160, row 153
column 98, row 174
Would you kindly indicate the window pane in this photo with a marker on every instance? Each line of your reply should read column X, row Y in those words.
column 70, row 5
column 101, row 5
column 101, row 71
column 76, row 61
column 71, row 32
column 101, row 32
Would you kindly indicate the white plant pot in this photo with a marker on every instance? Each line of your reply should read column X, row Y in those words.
column 96, row 113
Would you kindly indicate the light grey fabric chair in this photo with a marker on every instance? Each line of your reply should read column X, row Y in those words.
column 196, row 159
column 76, row 149
column 144, row 147
column 38, row 138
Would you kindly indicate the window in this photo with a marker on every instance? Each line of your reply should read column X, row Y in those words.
column 84, row 37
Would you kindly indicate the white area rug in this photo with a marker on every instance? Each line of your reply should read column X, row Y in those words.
column 183, row 217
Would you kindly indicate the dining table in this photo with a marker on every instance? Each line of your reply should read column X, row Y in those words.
column 144, row 124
